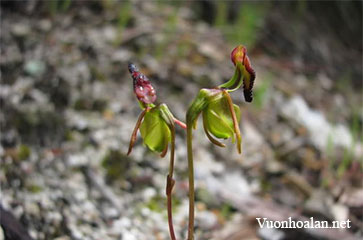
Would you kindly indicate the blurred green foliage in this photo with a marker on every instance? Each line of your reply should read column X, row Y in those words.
column 23, row 152
column 56, row 6
column 124, row 16
column 33, row 188
column 227, row 211
column 116, row 164
column 249, row 22
column 348, row 156
column 158, row 203
column 261, row 93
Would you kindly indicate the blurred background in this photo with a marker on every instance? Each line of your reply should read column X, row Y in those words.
column 68, row 110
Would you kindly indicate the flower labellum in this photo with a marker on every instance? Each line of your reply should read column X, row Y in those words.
column 143, row 89
column 242, row 62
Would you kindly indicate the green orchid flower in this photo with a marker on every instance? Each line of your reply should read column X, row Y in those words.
column 220, row 116
column 157, row 127
column 156, row 122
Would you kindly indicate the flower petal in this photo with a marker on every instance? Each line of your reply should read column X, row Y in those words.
column 154, row 131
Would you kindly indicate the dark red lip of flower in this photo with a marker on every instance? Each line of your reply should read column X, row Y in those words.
column 143, row 89
column 239, row 55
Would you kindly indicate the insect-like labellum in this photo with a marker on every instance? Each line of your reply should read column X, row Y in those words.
column 142, row 87
column 240, row 60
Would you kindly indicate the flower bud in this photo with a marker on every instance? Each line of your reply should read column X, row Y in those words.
column 143, row 89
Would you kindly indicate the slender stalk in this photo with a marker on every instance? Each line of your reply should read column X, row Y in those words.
column 170, row 184
column 191, row 181
column 170, row 208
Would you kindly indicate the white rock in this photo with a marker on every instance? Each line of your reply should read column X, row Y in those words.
column 206, row 220
column 20, row 30
column 45, row 25
column 77, row 160
column 127, row 235
column 232, row 182
column 121, row 55
column 271, row 233
column 35, row 68
column 340, row 212
column 148, row 193
column 320, row 130
column 110, row 33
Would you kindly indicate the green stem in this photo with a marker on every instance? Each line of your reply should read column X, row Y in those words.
column 170, row 184
column 191, row 181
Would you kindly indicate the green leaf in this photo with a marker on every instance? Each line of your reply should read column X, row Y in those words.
column 154, row 130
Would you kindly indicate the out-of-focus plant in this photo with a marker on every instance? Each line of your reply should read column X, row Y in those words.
column 157, row 128
column 249, row 19
column 124, row 16
column 58, row 5
column 220, row 116
column 220, row 121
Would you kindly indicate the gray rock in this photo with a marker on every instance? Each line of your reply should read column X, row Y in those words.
column 35, row 68
column 20, row 30
column 206, row 220
column 45, row 25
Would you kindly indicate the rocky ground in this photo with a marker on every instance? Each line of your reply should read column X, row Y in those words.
column 68, row 110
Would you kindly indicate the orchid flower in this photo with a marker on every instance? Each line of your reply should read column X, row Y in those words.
column 220, row 116
column 157, row 128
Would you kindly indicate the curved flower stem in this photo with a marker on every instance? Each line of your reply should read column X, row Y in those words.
column 170, row 184
column 191, row 181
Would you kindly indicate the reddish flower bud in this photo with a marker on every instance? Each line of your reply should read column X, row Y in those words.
column 143, row 89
